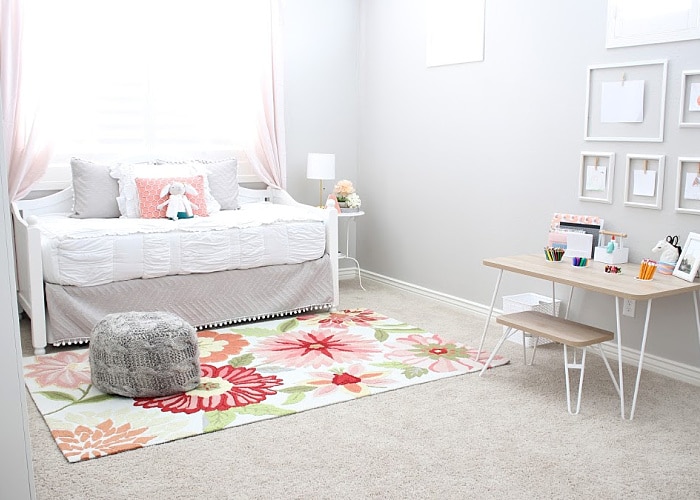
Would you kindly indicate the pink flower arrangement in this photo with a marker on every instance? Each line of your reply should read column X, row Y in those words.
column 343, row 189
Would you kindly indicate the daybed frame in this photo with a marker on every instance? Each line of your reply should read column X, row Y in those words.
column 198, row 298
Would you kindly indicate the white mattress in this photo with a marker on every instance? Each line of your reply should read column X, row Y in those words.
column 85, row 252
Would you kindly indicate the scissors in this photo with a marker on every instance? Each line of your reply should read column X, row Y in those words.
column 673, row 240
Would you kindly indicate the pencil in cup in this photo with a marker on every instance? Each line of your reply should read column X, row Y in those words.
column 647, row 269
column 553, row 254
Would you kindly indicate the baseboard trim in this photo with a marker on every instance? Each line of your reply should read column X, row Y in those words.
column 655, row 364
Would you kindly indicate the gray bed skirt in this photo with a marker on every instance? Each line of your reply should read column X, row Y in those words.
column 204, row 300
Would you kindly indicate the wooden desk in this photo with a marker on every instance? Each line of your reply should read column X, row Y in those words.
column 593, row 278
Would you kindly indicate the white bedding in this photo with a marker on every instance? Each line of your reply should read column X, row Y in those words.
column 86, row 252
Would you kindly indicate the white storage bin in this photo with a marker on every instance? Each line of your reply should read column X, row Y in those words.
column 528, row 302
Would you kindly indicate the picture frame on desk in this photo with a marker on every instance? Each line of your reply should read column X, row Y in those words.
column 689, row 261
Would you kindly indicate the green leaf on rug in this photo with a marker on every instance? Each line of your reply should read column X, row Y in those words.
column 244, row 360
column 296, row 393
column 288, row 325
column 217, row 420
column 255, row 332
column 382, row 334
column 98, row 398
column 58, row 396
column 409, row 371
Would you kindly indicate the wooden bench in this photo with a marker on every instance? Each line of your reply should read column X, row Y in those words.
column 562, row 331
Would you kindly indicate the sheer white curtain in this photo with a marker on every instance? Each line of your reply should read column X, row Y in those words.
column 27, row 151
column 135, row 79
column 268, row 151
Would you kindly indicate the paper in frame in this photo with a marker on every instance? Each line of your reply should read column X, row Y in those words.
column 651, row 128
column 689, row 261
column 604, row 161
column 688, row 168
column 689, row 113
column 654, row 164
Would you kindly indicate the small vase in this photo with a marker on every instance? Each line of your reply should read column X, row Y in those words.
column 343, row 204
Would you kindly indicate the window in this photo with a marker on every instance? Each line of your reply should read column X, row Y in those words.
column 133, row 79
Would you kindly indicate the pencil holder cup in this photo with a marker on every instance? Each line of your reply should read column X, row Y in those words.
column 646, row 270
column 579, row 261
column 553, row 254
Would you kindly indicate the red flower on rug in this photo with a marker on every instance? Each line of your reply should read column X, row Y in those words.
column 67, row 369
column 105, row 439
column 316, row 348
column 217, row 346
column 439, row 355
column 354, row 379
column 344, row 318
column 220, row 388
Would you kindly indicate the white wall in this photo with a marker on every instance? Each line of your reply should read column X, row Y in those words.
column 321, row 89
column 458, row 163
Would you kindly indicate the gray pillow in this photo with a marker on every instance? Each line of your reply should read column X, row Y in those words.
column 95, row 192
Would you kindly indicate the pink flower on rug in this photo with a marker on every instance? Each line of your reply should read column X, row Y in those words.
column 68, row 369
column 220, row 388
column 105, row 439
column 439, row 355
column 344, row 318
column 316, row 348
column 219, row 346
column 352, row 379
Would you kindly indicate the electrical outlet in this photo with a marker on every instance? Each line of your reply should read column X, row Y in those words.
column 628, row 308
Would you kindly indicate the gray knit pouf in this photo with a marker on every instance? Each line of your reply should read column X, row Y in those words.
column 144, row 354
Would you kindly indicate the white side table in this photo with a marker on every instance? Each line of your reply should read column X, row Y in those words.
column 351, row 222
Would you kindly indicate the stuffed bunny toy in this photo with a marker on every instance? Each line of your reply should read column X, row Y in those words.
column 179, row 206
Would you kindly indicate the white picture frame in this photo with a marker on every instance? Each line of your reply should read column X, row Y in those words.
column 643, row 193
column 690, row 88
column 652, row 75
column 590, row 189
column 629, row 23
column 687, row 196
column 689, row 261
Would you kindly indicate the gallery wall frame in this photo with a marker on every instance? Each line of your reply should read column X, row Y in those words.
column 688, row 185
column 689, row 115
column 630, row 24
column 689, row 261
column 626, row 102
column 644, row 181
column 596, row 174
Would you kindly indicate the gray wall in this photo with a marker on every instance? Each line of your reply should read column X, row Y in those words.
column 462, row 162
column 321, row 89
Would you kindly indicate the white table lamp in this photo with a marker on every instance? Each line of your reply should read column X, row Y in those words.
column 320, row 166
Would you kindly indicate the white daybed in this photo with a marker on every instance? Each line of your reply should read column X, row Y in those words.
column 71, row 272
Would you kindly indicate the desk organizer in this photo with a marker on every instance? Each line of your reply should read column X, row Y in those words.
column 613, row 252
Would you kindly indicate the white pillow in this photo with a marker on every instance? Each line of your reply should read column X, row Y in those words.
column 126, row 174
column 222, row 176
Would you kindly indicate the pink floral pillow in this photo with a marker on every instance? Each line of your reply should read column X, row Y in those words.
column 149, row 190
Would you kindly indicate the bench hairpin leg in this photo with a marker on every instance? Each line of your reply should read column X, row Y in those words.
column 509, row 331
column 574, row 366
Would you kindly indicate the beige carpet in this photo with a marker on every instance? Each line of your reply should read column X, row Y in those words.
column 504, row 435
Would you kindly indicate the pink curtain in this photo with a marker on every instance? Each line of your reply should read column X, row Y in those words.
column 268, row 153
column 26, row 154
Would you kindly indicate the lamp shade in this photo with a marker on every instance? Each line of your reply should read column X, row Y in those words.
column 320, row 166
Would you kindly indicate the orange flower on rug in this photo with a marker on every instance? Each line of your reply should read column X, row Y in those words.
column 249, row 372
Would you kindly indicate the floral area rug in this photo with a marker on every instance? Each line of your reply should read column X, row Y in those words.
column 249, row 373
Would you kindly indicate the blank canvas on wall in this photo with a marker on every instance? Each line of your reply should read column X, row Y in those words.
column 641, row 22
column 455, row 31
